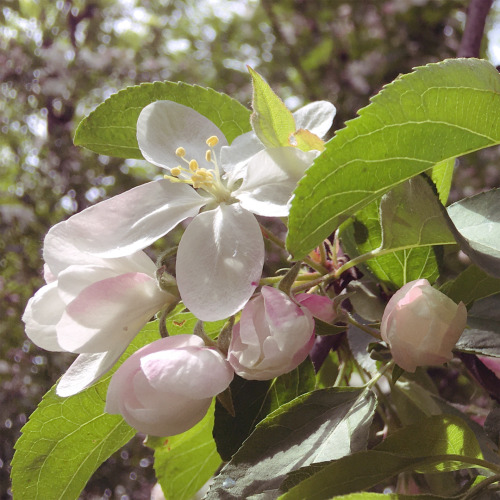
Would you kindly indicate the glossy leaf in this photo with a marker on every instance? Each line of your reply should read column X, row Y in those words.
column 482, row 335
column 181, row 321
column 477, row 223
column 442, row 175
column 111, row 128
column 411, row 216
column 271, row 120
column 386, row 496
column 443, row 441
column 317, row 426
column 253, row 400
column 438, row 112
column 67, row 439
column 184, row 463
column 363, row 234
column 471, row 285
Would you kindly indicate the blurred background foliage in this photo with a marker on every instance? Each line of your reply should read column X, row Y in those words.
column 59, row 59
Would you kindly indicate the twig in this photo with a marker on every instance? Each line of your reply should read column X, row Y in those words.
column 474, row 28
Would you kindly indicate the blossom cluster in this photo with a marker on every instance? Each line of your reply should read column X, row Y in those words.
column 102, row 287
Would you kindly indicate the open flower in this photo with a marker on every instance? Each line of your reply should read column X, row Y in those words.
column 91, row 306
column 167, row 387
column 422, row 325
column 220, row 256
column 273, row 336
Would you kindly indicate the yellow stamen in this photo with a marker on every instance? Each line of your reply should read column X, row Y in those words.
column 193, row 165
column 176, row 171
column 212, row 141
column 180, row 152
column 208, row 155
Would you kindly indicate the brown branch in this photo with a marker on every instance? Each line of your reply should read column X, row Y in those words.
column 474, row 28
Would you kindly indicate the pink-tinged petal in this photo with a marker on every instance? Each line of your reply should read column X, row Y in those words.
column 281, row 311
column 119, row 385
column 320, row 306
column 270, row 179
column 134, row 219
column 164, row 126
column 393, row 302
column 86, row 370
column 317, row 117
column 139, row 390
column 76, row 278
column 110, row 313
column 185, row 371
column 284, row 332
column 169, row 417
column 41, row 315
column 219, row 262
column 492, row 364
column 48, row 275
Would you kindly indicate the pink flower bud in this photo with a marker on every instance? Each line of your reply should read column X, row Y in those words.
column 320, row 306
column 422, row 325
column 492, row 364
column 166, row 387
column 273, row 336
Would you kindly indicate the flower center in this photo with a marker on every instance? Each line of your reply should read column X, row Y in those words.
column 201, row 178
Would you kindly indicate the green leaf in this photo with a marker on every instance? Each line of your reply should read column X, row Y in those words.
column 317, row 426
column 413, row 402
column 111, row 128
column 184, row 463
column 363, row 234
column 438, row 112
column 439, row 440
column 271, row 120
column 442, row 175
column 411, row 216
column 482, row 335
column 181, row 321
column 477, row 221
column 436, row 435
column 382, row 496
column 67, row 439
column 424, row 403
column 471, row 285
column 253, row 401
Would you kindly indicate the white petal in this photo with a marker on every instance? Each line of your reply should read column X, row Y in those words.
column 110, row 313
column 219, row 262
column 76, row 278
column 132, row 220
column 234, row 158
column 85, row 370
column 317, row 117
column 60, row 252
column 42, row 313
column 271, row 178
column 163, row 126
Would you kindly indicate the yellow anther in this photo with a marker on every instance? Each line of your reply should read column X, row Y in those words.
column 193, row 165
column 208, row 155
column 180, row 152
column 212, row 141
column 176, row 171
